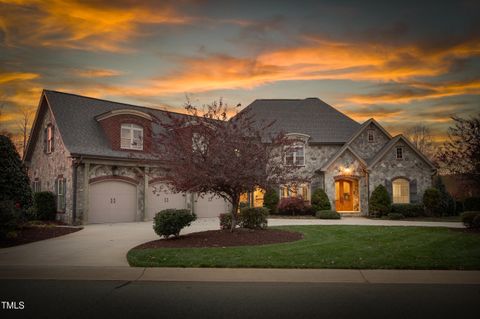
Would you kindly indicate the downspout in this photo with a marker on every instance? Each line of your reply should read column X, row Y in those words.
column 367, row 178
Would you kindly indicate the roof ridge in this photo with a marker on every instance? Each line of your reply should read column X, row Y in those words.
column 115, row 102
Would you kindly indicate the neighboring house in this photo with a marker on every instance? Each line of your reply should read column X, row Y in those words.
column 81, row 149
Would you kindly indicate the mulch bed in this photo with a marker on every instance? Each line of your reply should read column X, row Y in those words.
column 225, row 238
column 30, row 234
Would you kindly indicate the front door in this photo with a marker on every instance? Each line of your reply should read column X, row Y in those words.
column 343, row 195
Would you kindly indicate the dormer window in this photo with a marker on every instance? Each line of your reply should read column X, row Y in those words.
column 295, row 155
column 399, row 153
column 131, row 137
column 370, row 136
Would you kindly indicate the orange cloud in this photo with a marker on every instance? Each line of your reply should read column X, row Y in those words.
column 17, row 76
column 96, row 73
column 80, row 24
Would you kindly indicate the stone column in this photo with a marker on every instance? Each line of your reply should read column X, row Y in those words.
column 145, row 192
column 86, row 195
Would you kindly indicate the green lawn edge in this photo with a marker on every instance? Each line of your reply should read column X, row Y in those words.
column 334, row 247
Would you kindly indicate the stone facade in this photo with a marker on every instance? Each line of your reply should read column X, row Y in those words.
column 367, row 149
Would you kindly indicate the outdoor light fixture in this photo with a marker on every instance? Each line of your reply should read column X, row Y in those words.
column 347, row 170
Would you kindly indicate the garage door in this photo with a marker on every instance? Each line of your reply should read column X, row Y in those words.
column 209, row 206
column 112, row 202
column 160, row 198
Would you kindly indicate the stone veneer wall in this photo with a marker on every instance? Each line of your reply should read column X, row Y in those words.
column 47, row 167
column 411, row 167
column 365, row 149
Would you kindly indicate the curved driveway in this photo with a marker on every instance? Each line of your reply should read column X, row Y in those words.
column 107, row 244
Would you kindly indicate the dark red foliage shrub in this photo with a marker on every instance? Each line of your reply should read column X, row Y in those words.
column 291, row 206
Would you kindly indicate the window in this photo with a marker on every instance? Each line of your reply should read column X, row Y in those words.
column 199, row 143
column 60, row 190
column 131, row 137
column 401, row 191
column 49, row 139
column 301, row 190
column 295, row 155
column 36, row 186
column 399, row 153
column 370, row 136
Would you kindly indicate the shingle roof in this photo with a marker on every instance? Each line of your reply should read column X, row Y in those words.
column 309, row 116
column 81, row 133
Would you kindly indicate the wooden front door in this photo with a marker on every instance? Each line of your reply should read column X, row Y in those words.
column 343, row 195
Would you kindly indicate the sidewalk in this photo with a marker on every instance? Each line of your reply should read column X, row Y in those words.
column 241, row 275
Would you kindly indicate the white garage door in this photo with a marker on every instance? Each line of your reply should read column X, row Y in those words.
column 112, row 202
column 160, row 198
column 209, row 206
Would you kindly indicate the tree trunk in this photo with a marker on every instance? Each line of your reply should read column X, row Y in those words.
column 234, row 213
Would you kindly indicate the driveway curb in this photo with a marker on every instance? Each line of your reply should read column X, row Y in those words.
column 372, row 276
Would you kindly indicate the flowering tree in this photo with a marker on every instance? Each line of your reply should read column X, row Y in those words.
column 205, row 152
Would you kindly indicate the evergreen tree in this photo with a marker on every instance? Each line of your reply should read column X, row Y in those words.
column 380, row 202
column 270, row 200
column 447, row 203
column 320, row 200
column 14, row 181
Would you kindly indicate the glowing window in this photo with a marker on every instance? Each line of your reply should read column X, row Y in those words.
column 401, row 191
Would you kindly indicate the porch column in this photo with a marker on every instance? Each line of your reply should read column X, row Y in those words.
column 145, row 193
column 86, row 186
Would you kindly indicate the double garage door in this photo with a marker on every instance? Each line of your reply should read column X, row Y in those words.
column 116, row 202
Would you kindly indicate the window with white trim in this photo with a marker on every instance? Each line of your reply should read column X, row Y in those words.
column 131, row 137
column 399, row 153
column 60, row 185
column 401, row 191
column 300, row 190
column 36, row 186
column 199, row 143
column 295, row 155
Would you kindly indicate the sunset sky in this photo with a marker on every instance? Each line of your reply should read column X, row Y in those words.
column 406, row 63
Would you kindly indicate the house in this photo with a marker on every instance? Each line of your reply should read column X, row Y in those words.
column 81, row 149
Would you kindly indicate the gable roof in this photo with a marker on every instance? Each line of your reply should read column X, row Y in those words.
column 76, row 120
column 389, row 146
column 311, row 116
column 344, row 148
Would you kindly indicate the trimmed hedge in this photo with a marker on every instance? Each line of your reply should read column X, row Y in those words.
column 320, row 200
column 395, row 216
column 471, row 219
column 408, row 210
column 328, row 214
column 472, row 204
column 380, row 202
column 44, row 206
column 8, row 218
column 270, row 200
column 254, row 218
column 171, row 221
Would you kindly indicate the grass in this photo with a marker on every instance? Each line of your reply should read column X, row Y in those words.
column 435, row 219
column 356, row 247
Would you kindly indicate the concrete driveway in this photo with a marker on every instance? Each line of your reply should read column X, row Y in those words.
column 107, row 244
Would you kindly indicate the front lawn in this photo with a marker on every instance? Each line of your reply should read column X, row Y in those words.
column 361, row 247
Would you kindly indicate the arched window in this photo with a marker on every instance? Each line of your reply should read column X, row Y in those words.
column 401, row 191
column 131, row 137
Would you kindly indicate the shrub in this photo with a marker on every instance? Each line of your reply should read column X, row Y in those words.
column 44, row 205
column 226, row 220
column 8, row 218
column 431, row 201
column 270, row 200
column 459, row 207
column 291, row 206
column 320, row 200
column 253, row 218
column 309, row 210
column 471, row 219
column 472, row 204
column 328, row 214
column 171, row 221
column 395, row 216
column 380, row 202
column 408, row 210
column 447, row 203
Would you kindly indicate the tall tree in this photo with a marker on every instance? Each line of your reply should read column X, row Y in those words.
column 24, row 123
column 420, row 135
column 205, row 152
column 460, row 154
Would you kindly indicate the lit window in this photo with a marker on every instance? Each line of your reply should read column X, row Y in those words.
column 399, row 153
column 371, row 136
column 60, row 189
column 295, row 155
column 131, row 137
column 49, row 139
column 401, row 191
column 301, row 190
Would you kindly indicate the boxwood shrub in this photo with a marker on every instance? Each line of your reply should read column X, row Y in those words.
column 8, row 218
column 380, row 202
column 44, row 206
column 395, row 216
column 408, row 210
column 254, row 218
column 328, row 214
column 170, row 222
column 320, row 200
column 472, row 204
column 471, row 219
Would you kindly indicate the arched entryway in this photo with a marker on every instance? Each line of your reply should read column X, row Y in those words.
column 346, row 195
